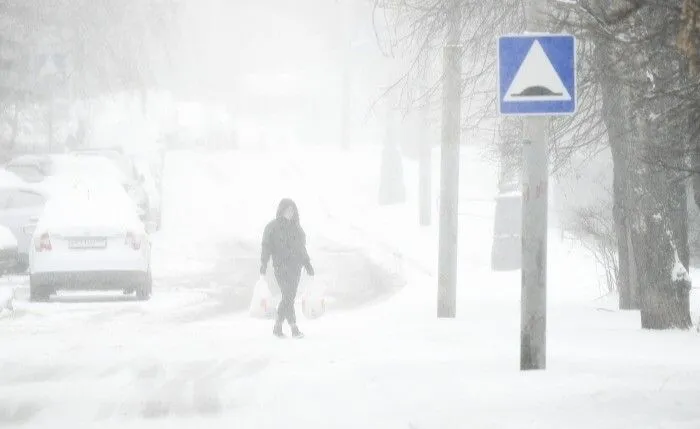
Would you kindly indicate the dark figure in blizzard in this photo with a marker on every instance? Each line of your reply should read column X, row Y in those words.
column 285, row 241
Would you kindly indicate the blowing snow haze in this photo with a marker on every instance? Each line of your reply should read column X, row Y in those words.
column 349, row 214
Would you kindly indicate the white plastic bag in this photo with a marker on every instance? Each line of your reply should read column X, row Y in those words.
column 313, row 300
column 264, row 303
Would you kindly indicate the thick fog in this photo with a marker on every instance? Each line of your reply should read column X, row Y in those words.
column 349, row 213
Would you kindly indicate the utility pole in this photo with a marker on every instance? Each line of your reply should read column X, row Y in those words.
column 349, row 12
column 425, row 147
column 345, row 104
column 449, row 171
column 50, row 122
column 533, row 315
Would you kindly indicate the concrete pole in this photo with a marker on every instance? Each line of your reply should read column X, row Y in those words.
column 345, row 78
column 449, row 171
column 345, row 103
column 533, row 318
column 425, row 147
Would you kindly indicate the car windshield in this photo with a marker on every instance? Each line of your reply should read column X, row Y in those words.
column 77, row 201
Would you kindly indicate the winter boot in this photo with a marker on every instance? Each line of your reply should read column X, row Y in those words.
column 296, row 333
column 277, row 331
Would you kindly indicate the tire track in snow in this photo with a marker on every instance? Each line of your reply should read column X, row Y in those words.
column 186, row 389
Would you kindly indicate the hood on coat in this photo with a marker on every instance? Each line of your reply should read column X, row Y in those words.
column 283, row 205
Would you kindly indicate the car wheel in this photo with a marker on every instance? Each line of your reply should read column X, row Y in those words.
column 38, row 293
column 143, row 292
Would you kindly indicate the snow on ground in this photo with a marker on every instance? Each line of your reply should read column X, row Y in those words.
column 188, row 358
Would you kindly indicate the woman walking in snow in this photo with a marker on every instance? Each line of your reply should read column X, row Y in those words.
column 285, row 241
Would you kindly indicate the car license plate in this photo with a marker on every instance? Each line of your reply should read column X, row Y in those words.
column 87, row 243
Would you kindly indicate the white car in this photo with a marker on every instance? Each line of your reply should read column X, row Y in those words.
column 90, row 238
column 98, row 168
column 131, row 179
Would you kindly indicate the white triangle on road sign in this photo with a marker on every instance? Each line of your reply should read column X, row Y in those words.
column 536, row 79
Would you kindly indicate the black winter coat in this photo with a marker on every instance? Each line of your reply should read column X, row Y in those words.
column 285, row 242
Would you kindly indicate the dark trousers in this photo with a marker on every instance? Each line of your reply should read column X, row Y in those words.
column 288, row 281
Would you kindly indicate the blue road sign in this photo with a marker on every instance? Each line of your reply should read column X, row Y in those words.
column 537, row 75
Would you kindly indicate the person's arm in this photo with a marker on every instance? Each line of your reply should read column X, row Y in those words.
column 266, row 249
column 307, row 260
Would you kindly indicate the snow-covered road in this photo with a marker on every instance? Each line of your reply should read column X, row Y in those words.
column 379, row 359
column 205, row 263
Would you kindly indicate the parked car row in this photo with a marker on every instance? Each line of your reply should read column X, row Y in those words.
column 79, row 221
column 37, row 168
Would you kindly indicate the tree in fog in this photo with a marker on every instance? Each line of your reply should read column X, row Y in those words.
column 96, row 47
column 635, row 93
column 643, row 81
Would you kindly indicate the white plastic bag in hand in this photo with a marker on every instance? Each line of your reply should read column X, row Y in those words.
column 313, row 301
column 263, row 304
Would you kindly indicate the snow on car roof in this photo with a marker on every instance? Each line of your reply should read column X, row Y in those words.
column 89, row 203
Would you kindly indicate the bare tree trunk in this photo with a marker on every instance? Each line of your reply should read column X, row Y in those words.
column 664, row 248
column 695, row 161
column 683, row 285
column 679, row 195
column 665, row 284
column 620, row 210
column 392, row 189
column 616, row 115
column 619, row 146
column 425, row 163
column 649, row 214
